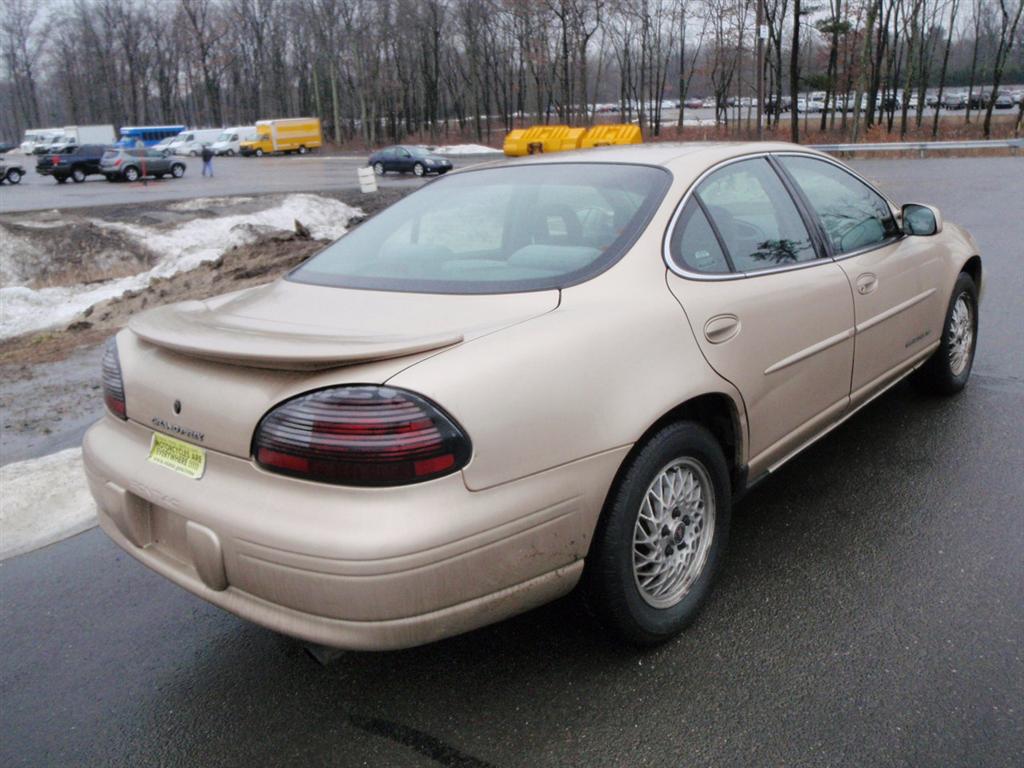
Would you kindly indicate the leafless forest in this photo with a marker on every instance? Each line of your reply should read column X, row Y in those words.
column 386, row 70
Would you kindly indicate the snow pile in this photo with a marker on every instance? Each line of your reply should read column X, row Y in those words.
column 202, row 203
column 179, row 248
column 454, row 150
column 14, row 253
column 44, row 500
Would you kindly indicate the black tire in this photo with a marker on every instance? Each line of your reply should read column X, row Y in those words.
column 303, row 150
column 378, row 168
column 77, row 175
column 61, row 179
column 230, row 153
column 13, row 176
column 259, row 153
column 419, row 169
column 611, row 586
column 131, row 173
column 177, row 170
column 159, row 175
column 944, row 373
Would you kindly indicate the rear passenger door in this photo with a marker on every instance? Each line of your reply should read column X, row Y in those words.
column 896, row 306
column 771, row 312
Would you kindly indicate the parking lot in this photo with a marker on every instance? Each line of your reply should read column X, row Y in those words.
column 870, row 611
column 232, row 176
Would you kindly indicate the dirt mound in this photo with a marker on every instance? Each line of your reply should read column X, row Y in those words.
column 71, row 251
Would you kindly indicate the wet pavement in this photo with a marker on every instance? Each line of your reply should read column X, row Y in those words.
column 870, row 613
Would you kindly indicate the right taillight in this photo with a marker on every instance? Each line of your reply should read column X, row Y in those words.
column 113, row 385
column 360, row 435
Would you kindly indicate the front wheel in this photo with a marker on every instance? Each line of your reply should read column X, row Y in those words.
column 303, row 150
column 177, row 170
column 661, row 536
column 259, row 153
column 230, row 153
column 419, row 169
column 378, row 168
column 946, row 372
column 13, row 176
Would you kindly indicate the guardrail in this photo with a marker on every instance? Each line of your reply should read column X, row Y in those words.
column 922, row 147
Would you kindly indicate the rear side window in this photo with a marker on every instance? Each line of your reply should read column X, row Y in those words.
column 758, row 222
column 853, row 214
column 694, row 246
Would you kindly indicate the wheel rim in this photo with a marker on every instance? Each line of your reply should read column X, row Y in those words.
column 131, row 174
column 674, row 529
column 378, row 169
column 418, row 170
column 961, row 334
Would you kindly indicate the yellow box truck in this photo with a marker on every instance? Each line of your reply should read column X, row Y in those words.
column 283, row 136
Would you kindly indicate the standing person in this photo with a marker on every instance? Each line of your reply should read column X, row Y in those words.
column 207, row 160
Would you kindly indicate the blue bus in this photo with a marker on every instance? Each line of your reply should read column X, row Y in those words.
column 148, row 135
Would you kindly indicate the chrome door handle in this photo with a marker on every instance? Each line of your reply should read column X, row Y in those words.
column 866, row 283
column 721, row 328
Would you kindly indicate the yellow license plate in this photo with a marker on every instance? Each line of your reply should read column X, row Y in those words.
column 184, row 458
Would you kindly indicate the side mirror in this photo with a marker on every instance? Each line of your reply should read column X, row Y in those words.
column 919, row 219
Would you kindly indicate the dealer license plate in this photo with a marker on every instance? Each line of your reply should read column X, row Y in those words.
column 184, row 458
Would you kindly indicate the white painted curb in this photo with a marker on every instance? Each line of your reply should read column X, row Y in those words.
column 42, row 501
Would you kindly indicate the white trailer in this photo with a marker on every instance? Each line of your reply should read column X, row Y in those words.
column 90, row 134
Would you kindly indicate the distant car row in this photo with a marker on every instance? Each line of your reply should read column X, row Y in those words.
column 282, row 136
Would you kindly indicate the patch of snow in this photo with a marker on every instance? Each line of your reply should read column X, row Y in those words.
column 44, row 500
column 14, row 251
column 454, row 150
column 181, row 247
column 201, row 203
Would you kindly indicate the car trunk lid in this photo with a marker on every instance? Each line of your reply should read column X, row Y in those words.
column 213, row 368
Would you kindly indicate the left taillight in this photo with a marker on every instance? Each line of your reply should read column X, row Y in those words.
column 113, row 384
column 360, row 435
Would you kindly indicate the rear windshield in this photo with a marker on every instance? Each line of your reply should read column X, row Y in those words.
column 497, row 230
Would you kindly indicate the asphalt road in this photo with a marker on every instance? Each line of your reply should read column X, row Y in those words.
column 870, row 613
column 232, row 176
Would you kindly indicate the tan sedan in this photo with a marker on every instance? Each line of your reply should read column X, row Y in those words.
column 522, row 377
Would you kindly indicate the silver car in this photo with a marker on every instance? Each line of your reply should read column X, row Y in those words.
column 134, row 164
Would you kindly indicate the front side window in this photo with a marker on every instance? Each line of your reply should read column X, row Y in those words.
column 853, row 214
column 497, row 230
column 756, row 218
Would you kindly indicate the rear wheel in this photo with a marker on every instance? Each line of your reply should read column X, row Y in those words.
column 177, row 170
column 78, row 175
column 661, row 536
column 131, row 173
column 949, row 368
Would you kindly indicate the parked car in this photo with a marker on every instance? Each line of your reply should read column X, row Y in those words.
column 10, row 171
column 6, row 147
column 954, row 101
column 693, row 103
column 399, row 440
column 405, row 159
column 1004, row 101
column 52, row 144
column 230, row 140
column 75, row 163
column 191, row 142
column 134, row 164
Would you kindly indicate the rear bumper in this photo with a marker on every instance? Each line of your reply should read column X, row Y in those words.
column 351, row 568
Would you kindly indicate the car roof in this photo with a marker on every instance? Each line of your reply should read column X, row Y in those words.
column 691, row 155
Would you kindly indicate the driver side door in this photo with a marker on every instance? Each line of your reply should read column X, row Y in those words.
column 895, row 304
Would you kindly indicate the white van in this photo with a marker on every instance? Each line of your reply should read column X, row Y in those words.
column 191, row 141
column 230, row 139
column 40, row 138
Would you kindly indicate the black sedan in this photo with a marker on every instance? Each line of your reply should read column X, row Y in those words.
column 405, row 158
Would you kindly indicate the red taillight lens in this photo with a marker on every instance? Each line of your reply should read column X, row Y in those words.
column 117, row 162
column 360, row 435
column 113, row 386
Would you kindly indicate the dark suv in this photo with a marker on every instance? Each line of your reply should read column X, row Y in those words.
column 133, row 164
column 75, row 163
